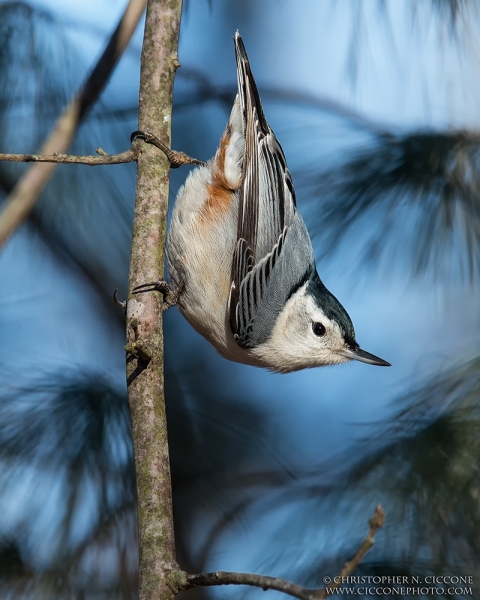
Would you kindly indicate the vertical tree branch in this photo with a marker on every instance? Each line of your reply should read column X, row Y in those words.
column 26, row 192
column 159, row 573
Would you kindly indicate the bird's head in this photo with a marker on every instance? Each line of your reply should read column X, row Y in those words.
column 313, row 330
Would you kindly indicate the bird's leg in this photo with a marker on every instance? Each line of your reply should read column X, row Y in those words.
column 170, row 297
column 176, row 159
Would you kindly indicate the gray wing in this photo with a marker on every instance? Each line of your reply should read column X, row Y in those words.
column 269, row 285
column 273, row 251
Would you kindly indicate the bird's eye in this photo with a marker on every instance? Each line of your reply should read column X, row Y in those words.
column 319, row 329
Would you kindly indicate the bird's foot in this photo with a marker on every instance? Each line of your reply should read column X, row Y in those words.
column 170, row 297
column 176, row 159
column 118, row 302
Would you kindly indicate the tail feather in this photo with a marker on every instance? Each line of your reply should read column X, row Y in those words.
column 247, row 88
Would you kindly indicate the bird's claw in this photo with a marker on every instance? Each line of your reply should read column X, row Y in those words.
column 170, row 297
column 176, row 159
column 118, row 302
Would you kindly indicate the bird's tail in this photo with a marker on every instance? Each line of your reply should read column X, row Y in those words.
column 247, row 88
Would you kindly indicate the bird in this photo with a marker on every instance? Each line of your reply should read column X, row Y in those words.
column 241, row 262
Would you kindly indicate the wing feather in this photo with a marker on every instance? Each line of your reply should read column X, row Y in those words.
column 266, row 208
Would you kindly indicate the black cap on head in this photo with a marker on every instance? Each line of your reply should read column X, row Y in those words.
column 332, row 309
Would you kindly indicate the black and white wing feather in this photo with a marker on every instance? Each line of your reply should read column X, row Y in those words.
column 273, row 254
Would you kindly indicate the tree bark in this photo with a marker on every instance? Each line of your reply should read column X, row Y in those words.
column 159, row 575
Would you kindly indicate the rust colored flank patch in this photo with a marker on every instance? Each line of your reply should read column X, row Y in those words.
column 219, row 192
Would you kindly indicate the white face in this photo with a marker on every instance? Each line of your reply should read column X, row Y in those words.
column 302, row 337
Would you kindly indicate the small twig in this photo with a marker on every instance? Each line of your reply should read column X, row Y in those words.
column 281, row 585
column 175, row 158
column 262, row 581
column 377, row 521
column 24, row 195
column 92, row 161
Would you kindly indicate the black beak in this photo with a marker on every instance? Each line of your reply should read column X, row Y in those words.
column 359, row 354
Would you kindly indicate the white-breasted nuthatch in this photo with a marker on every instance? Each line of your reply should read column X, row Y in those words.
column 241, row 255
